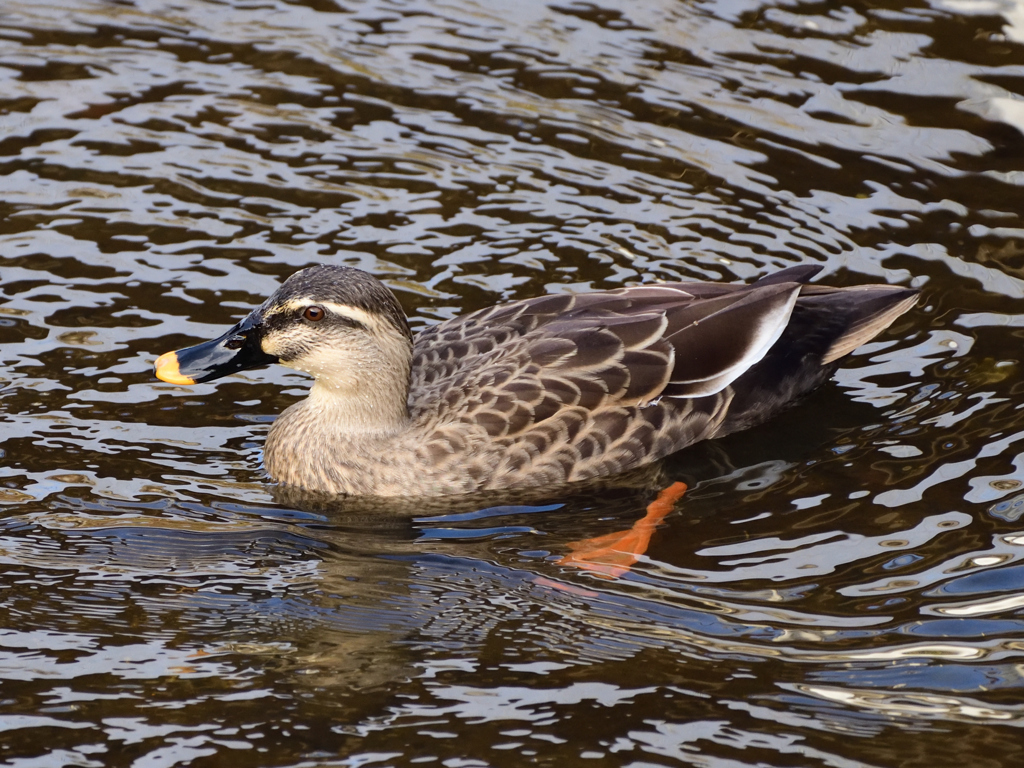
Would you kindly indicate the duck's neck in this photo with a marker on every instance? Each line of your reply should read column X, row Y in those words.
column 371, row 408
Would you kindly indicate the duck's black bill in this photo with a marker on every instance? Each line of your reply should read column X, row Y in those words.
column 237, row 350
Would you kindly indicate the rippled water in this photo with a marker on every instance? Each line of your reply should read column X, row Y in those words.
column 841, row 587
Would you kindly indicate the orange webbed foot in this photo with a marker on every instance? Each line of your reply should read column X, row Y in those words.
column 611, row 555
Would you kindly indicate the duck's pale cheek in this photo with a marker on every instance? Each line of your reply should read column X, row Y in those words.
column 270, row 346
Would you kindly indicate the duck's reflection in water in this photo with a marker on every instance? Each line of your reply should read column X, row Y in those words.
column 338, row 588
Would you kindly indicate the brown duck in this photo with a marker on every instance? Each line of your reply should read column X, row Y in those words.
column 555, row 389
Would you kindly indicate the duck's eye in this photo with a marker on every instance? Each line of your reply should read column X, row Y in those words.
column 314, row 313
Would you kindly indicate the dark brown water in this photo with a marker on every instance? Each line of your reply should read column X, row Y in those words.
column 842, row 587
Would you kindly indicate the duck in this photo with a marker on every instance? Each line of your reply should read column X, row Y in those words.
column 558, row 389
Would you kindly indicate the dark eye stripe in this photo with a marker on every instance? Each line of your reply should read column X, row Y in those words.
column 350, row 322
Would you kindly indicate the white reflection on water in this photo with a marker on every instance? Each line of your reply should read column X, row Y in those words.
column 816, row 554
column 29, row 656
column 914, row 705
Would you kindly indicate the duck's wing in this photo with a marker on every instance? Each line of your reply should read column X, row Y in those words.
column 511, row 367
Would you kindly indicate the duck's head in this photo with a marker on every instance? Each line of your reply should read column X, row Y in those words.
column 339, row 324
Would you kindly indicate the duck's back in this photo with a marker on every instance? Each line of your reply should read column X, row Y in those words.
column 567, row 387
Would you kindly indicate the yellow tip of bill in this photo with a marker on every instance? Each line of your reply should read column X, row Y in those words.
column 167, row 369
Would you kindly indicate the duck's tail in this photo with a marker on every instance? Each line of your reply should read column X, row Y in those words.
column 867, row 310
column 826, row 325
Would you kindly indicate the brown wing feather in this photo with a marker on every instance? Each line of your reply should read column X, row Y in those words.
column 544, row 355
column 717, row 339
column 512, row 367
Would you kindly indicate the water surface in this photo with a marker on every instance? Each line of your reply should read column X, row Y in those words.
column 841, row 587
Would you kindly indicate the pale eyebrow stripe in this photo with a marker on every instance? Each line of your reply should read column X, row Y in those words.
column 355, row 314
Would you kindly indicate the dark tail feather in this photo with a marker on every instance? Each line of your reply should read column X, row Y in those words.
column 866, row 310
column 827, row 324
